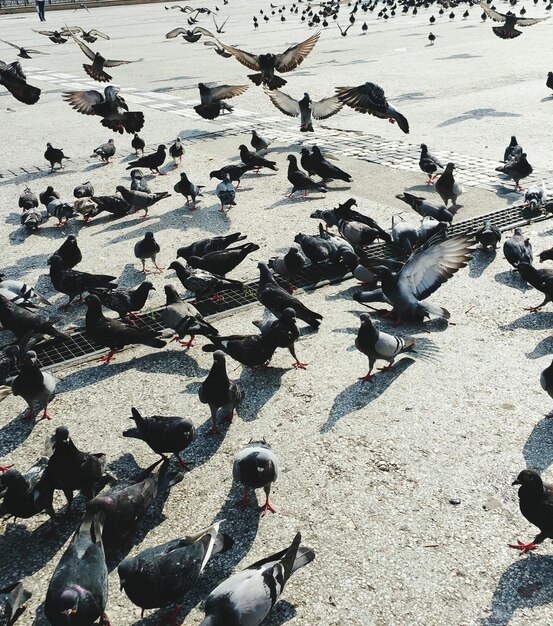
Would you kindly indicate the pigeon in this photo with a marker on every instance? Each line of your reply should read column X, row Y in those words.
column 425, row 207
column 256, row 466
column 447, row 187
column 24, row 53
column 90, row 36
column 138, row 200
column 546, row 255
column 86, row 207
column 20, row 293
column 147, row 248
column 62, row 209
column 184, row 318
column 546, row 381
column 289, row 264
column 110, row 106
column 508, row 30
column 36, row 387
column 125, row 504
column 259, row 143
column 375, row 345
column 105, row 151
column 69, row 253
column 428, row 163
column 151, row 161
column 517, row 249
column 513, row 151
column 27, row 200
column 138, row 144
column 223, row 261
column 431, row 39
column 201, row 283
column 176, row 151
column 205, row 246
column 163, row 574
column 305, row 108
column 405, row 235
column 316, row 249
column 307, row 161
column 74, row 283
column 86, row 190
column 542, row 280
column 47, row 195
column 235, row 172
column 20, row 321
column 325, row 169
column 247, row 597
column 370, row 98
column 252, row 158
column 12, row 600
column 277, row 299
column 427, row 268
column 254, row 351
column 13, row 78
column 536, row 501
column 54, row 36
column 220, row 51
column 69, row 469
column 212, row 103
column 356, row 233
column 345, row 212
column 96, row 70
column 114, row 204
column 488, row 236
column 162, row 433
column 188, row 35
column 78, row 589
column 188, row 189
column 113, row 334
column 299, row 181
column 31, row 219
column 54, row 156
column 285, row 330
column 138, row 183
column 126, row 301
column 267, row 64
column 535, row 196
column 549, row 81
column 219, row 392
column 25, row 495
column 517, row 169
column 9, row 359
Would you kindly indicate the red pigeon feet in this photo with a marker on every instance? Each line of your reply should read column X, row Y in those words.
column 385, row 369
column 523, row 547
column 45, row 415
column 213, row 430
column 300, row 365
column 368, row 376
column 266, row 508
column 5, row 468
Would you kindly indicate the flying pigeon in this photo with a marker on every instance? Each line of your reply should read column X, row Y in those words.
column 508, row 30
column 13, row 78
column 212, row 103
column 24, row 53
column 305, row 108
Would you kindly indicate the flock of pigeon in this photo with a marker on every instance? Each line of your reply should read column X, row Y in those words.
column 161, row 576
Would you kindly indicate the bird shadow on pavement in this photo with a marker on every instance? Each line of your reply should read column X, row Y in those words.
column 285, row 200
column 421, row 187
column 360, row 394
column 14, row 433
column 463, row 55
column 412, row 95
column 512, row 279
column 525, row 584
column 15, row 272
column 531, row 321
column 543, row 348
column 480, row 262
column 538, row 449
column 476, row 114
column 259, row 387
column 205, row 445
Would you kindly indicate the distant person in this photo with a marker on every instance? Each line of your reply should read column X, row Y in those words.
column 40, row 5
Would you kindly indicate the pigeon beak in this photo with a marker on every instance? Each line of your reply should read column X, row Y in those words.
column 515, row 482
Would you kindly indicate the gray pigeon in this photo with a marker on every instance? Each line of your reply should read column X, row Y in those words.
column 138, row 183
column 256, row 466
column 139, row 200
column 147, row 248
column 105, row 151
column 226, row 193
column 517, row 249
column 188, row 189
column 247, row 597
column 404, row 234
column 305, row 108
column 425, row 207
column 289, row 264
column 184, row 318
column 259, row 143
column 447, row 186
column 35, row 386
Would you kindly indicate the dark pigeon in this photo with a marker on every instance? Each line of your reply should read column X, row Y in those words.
column 517, row 169
column 517, row 249
column 284, row 329
column 212, row 244
column 151, row 161
column 252, row 158
column 35, row 386
column 126, row 301
column 25, row 495
column 488, row 236
column 147, row 248
column 54, row 156
column 69, row 253
column 299, row 181
column 21, row 322
column 13, row 78
column 201, row 283
column 235, row 172
column 188, row 189
column 224, row 261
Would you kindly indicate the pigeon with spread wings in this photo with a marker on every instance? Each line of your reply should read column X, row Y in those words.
column 111, row 107
column 189, row 35
column 14, row 80
column 24, row 53
column 96, row 70
column 306, row 108
column 370, row 98
column 54, row 35
column 212, row 103
column 90, row 36
column 267, row 64
column 508, row 30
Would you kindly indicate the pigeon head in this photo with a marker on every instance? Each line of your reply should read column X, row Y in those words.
column 292, row 159
column 450, row 167
column 111, row 141
column 172, row 297
column 48, row 145
column 528, row 479
column 137, row 174
column 55, row 260
column 12, row 478
column 69, row 603
column 366, row 319
column 62, row 435
column 149, row 235
column 161, row 147
column 71, row 239
column 242, row 147
column 514, row 141
column 305, row 151
column 146, row 286
column 518, row 232
column 127, row 569
column 288, row 314
column 219, row 356
column 31, row 356
column 424, row 147
column 93, row 303
column 316, row 150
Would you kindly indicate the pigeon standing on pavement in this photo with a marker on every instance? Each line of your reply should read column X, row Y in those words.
column 147, row 248
column 325, row 169
column 201, row 283
column 25, row 495
column 235, row 172
column 513, row 151
column 188, row 189
column 164, row 434
column 176, row 151
column 138, row 183
column 211, row 244
column 256, row 466
column 517, row 169
column 226, row 193
column 222, row 262
column 549, row 81
column 20, row 321
column 105, row 151
column 138, row 200
column 126, row 301
column 259, row 143
column 540, row 279
column 54, row 156
column 428, row 163
column 488, row 236
column 299, row 181
column 447, row 187
column 252, row 158
column 35, row 386
column 285, row 329
column 184, row 318
column 518, row 249
column 219, row 392
column 151, row 161
column 138, row 144
column 425, row 207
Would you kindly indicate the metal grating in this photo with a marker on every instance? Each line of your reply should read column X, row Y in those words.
column 58, row 352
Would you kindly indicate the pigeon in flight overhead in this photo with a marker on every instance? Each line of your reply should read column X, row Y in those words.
column 370, row 98
column 536, row 505
column 54, row 36
column 305, row 108
column 96, row 70
column 518, row 249
column 189, row 35
column 89, row 36
column 256, row 466
column 212, row 104
column 24, row 53
column 163, row 574
column 508, row 30
column 12, row 600
column 110, row 106
column 13, row 78
column 247, row 597
column 220, row 51
column 35, row 386
column 267, row 64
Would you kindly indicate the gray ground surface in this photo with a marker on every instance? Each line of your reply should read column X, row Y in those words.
column 368, row 469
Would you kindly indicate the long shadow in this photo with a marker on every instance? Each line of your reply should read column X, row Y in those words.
column 15, row 272
column 538, row 449
column 526, row 584
column 258, row 387
column 476, row 114
column 543, row 348
column 14, row 433
column 359, row 394
column 512, row 279
column 481, row 260
column 531, row 321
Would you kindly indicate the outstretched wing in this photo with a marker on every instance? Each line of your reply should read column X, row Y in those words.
column 83, row 101
column 97, row 33
column 295, row 55
column 367, row 98
column 83, row 47
column 175, row 32
column 115, row 62
column 530, row 21
column 326, row 107
column 227, row 91
column 10, row 44
column 248, row 59
column 284, row 102
column 494, row 15
column 431, row 266
column 75, row 30
column 203, row 31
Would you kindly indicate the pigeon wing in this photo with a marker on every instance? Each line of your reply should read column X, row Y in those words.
column 494, row 15
column 88, row 52
column 115, row 62
column 175, row 33
column 327, row 107
column 97, row 33
column 284, row 102
column 227, row 91
column 10, row 44
column 367, row 98
column 248, row 59
column 295, row 55
column 530, row 21
column 83, row 101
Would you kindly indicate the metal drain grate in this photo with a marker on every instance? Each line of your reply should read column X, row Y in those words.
column 56, row 352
